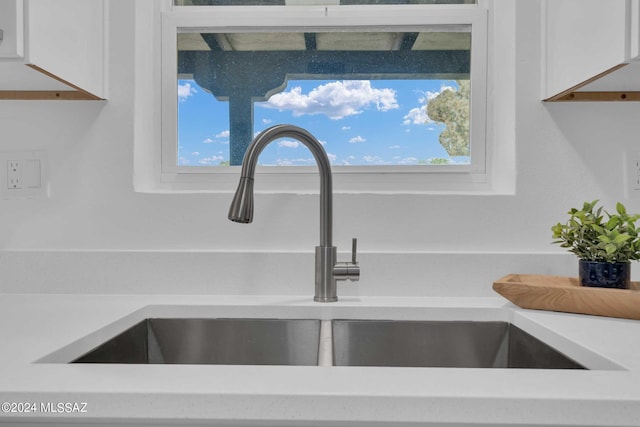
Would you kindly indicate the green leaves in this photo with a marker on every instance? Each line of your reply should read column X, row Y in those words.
column 451, row 108
column 591, row 236
column 621, row 209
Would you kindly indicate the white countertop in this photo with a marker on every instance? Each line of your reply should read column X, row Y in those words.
column 39, row 333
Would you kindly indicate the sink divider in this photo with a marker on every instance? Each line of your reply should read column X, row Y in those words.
column 325, row 350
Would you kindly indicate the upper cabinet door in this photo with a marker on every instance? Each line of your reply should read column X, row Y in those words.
column 11, row 29
column 55, row 50
column 585, row 45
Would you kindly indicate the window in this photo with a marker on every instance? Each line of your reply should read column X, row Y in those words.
column 359, row 76
column 236, row 84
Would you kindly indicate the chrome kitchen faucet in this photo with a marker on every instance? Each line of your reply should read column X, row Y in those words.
column 328, row 270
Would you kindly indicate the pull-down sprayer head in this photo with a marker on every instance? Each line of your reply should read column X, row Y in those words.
column 241, row 209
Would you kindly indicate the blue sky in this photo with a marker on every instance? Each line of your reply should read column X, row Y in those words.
column 359, row 122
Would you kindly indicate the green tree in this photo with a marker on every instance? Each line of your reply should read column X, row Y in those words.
column 439, row 161
column 451, row 108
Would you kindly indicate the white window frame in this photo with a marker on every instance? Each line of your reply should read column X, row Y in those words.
column 347, row 179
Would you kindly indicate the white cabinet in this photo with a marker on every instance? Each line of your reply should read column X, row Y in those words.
column 11, row 29
column 590, row 50
column 53, row 49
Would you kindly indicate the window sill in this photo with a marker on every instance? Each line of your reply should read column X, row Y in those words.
column 343, row 183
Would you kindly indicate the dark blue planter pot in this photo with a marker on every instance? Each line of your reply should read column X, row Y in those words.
column 605, row 274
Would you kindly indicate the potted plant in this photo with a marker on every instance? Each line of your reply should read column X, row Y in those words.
column 605, row 243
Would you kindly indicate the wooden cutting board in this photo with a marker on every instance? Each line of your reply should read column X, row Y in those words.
column 565, row 294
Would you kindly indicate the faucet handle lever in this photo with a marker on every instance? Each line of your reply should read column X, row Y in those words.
column 353, row 269
column 354, row 250
column 348, row 270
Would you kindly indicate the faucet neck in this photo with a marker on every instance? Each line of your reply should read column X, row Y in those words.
column 250, row 162
column 328, row 271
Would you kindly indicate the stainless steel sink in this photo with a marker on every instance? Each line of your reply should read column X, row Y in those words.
column 213, row 341
column 455, row 344
column 247, row 341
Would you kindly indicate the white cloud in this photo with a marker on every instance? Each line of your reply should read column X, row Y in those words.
column 295, row 162
column 335, row 99
column 356, row 139
column 418, row 115
column 430, row 95
column 332, row 157
column 287, row 143
column 223, row 134
column 185, row 91
column 211, row 160
column 377, row 160
column 267, row 121
column 408, row 161
column 345, row 128
column 195, row 153
column 394, row 147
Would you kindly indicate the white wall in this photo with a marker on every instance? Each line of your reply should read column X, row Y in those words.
column 566, row 154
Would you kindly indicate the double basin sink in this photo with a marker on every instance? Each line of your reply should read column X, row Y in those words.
column 310, row 342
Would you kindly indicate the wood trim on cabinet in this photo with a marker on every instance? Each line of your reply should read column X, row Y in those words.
column 599, row 96
column 45, row 95
column 77, row 94
column 573, row 95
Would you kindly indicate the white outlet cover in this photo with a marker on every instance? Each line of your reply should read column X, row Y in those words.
column 34, row 175
column 632, row 174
